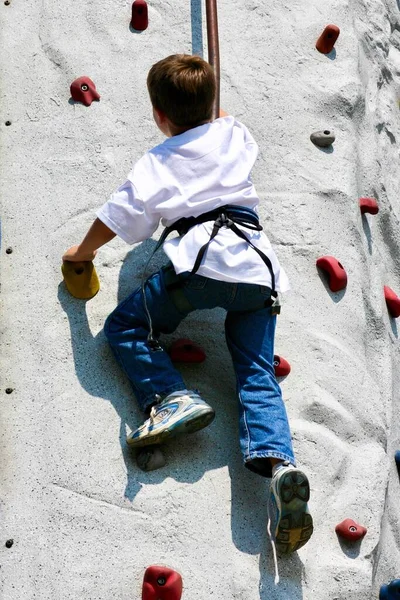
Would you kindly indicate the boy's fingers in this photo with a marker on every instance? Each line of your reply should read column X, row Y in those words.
column 74, row 255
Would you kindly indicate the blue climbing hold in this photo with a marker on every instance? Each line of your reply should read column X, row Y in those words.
column 390, row 591
column 397, row 459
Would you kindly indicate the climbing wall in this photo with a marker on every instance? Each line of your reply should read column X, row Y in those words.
column 79, row 519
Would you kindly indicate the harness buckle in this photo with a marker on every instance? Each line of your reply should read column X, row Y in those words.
column 223, row 221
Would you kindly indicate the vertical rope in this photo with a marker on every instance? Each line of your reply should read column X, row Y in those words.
column 213, row 49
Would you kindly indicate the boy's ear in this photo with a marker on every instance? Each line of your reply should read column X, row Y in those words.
column 161, row 116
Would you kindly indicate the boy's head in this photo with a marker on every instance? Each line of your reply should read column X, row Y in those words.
column 182, row 87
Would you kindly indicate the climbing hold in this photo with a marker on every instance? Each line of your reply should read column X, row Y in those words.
column 150, row 458
column 7, row 123
column 327, row 39
column 7, row 2
column 9, row 543
column 390, row 591
column 83, row 90
column 9, row 390
column 369, row 205
column 9, row 250
column 161, row 583
column 336, row 273
column 397, row 459
column 281, row 366
column 392, row 302
column 81, row 279
column 350, row 530
column 140, row 18
column 184, row 350
column 323, row 139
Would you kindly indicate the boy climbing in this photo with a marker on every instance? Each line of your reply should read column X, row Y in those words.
column 198, row 183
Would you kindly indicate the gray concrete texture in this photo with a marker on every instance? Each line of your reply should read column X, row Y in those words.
column 85, row 521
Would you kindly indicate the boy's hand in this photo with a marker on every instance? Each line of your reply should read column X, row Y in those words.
column 75, row 254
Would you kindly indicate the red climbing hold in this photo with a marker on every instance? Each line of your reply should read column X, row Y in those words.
column 392, row 302
column 140, row 18
column 337, row 274
column 83, row 90
column 281, row 366
column 161, row 583
column 327, row 39
column 350, row 530
column 185, row 350
column 369, row 205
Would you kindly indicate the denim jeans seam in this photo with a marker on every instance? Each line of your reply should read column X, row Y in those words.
column 121, row 364
column 233, row 294
column 244, row 418
column 271, row 454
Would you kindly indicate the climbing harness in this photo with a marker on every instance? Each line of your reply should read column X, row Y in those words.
column 227, row 216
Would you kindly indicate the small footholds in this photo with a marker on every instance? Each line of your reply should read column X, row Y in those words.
column 369, row 205
column 9, row 543
column 184, row 350
column 9, row 390
column 281, row 366
column 392, row 302
column 161, row 583
column 327, row 39
column 335, row 271
column 9, row 250
column 350, row 530
column 390, row 591
column 150, row 458
column 84, row 90
column 323, row 139
column 140, row 18
column 7, row 123
column 7, row 2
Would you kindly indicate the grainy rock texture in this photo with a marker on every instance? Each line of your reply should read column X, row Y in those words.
column 85, row 521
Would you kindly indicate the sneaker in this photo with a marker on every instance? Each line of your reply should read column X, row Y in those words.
column 180, row 412
column 290, row 524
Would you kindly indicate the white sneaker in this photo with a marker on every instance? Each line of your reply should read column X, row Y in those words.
column 289, row 521
column 180, row 412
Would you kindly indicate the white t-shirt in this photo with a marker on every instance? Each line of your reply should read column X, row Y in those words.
column 187, row 175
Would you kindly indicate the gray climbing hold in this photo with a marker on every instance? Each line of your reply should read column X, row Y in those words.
column 150, row 458
column 323, row 139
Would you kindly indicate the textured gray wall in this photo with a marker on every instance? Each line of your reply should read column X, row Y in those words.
column 85, row 521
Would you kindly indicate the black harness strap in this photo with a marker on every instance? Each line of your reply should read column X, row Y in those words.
column 227, row 216
column 224, row 221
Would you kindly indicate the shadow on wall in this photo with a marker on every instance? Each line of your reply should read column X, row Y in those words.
column 100, row 376
column 207, row 450
column 212, row 448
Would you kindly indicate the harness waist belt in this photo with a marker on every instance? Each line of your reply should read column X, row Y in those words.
column 227, row 216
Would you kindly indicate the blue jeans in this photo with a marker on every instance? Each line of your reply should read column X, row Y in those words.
column 249, row 330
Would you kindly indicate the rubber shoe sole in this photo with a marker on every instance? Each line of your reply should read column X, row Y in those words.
column 295, row 525
column 194, row 422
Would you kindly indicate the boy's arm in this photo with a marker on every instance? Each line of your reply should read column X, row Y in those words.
column 98, row 235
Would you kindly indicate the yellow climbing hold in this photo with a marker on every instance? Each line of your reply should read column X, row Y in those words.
column 81, row 279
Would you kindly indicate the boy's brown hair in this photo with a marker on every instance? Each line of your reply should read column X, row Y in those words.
column 183, row 88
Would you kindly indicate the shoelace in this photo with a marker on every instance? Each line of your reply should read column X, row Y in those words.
column 153, row 412
column 271, row 539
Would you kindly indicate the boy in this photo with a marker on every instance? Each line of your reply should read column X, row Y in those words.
column 199, row 177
